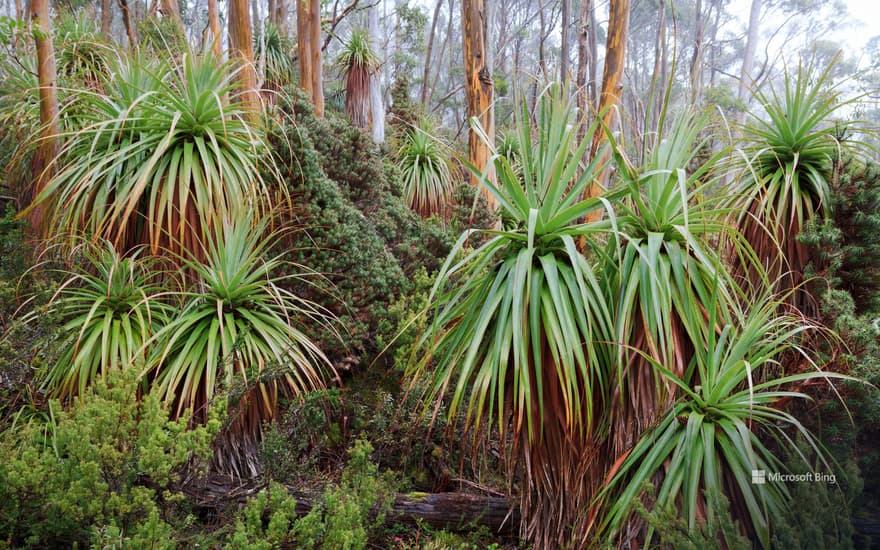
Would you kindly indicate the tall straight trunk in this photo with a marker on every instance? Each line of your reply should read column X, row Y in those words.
column 565, row 47
column 106, row 17
column 478, row 87
column 280, row 16
column 658, row 79
column 241, row 48
column 128, row 19
column 377, row 111
column 308, row 24
column 256, row 20
column 272, row 12
column 745, row 79
column 697, row 59
column 214, row 24
column 19, row 10
column 586, row 52
column 612, row 75
column 441, row 55
column 317, row 69
column 429, row 51
column 47, row 75
column 542, row 57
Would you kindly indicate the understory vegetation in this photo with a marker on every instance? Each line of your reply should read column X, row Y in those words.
column 231, row 327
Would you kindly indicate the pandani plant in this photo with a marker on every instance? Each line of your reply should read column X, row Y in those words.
column 357, row 62
column 791, row 150
column 161, row 158
column 630, row 362
column 424, row 163
column 515, row 319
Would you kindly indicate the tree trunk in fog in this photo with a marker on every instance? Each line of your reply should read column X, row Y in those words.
column 478, row 86
column 612, row 75
column 106, row 17
column 214, row 24
column 241, row 48
column 46, row 74
column 377, row 110
column 751, row 45
column 128, row 20
column 428, row 51
column 697, row 59
column 565, row 47
column 308, row 36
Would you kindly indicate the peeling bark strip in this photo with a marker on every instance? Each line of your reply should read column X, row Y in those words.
column 478, row 87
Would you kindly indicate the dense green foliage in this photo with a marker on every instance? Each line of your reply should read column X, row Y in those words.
column 104, row 469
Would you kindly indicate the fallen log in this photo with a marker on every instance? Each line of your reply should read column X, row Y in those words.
column 454, row 511
column 457, row 511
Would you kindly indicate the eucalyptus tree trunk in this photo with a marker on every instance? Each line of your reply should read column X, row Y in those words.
column 661, row 68
column 429, row 50
column 586, row 69
column 128, row 19
column 214, row 24
column 478, row 87
column 697, row 59
column 106, row 17
column 565, row 46
column 751, row 45
column 612, row 75
column 308, row 24
column 47, row 75
column 241, row 48
column 280, row 16
column 377, row 111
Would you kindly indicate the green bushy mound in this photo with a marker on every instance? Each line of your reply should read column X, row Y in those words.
column 102, row 472
column 356, row 230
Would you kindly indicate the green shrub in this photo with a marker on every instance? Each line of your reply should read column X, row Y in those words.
column 345, row 517
column 356, row 229
column 104, row 469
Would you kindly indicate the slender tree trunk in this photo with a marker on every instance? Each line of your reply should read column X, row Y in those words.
column 612, row 75
column 272, row 12
column 478, row 86
column 308, row 24
column 584, row 98
column 317, row 69
column 429, row 51
column 106, row 17
column 442, row 53
column 46, row 74
column 214, row 24
column 256, row 20
column 281, row 16
column 128, row 21
column 19, row 10
column 697, row 59
column 377, row 111
column 542, row 57
column 241, row 48
column 751, row 45
column 658, row 79
column 565, row 47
